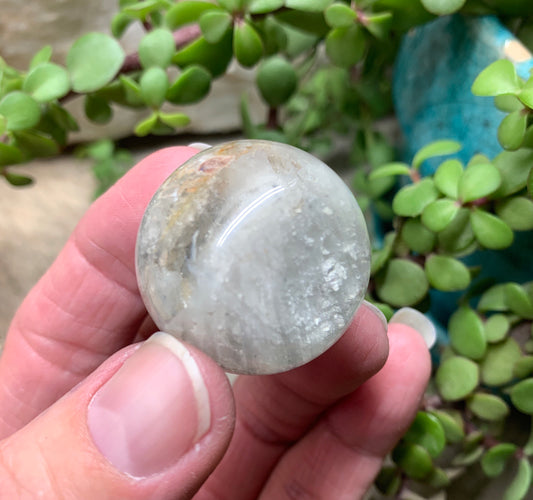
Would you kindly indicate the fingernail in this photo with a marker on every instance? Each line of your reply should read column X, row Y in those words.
column 415, row 319
column 377, row 312
column 152, row 410
column 199, row 145
column 232, row 377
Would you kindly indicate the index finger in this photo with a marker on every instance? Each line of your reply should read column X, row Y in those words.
column 87, row 305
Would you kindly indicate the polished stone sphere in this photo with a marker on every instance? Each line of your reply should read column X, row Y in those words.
column 256, row 253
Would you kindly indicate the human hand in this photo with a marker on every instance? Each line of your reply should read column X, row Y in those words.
column 89, row 410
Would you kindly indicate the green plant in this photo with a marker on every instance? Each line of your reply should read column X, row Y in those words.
column 200, row 39
column 484, row 378
column 485, row 375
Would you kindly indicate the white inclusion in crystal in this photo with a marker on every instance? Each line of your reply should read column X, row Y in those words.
column 249, row 209
column 334, row 273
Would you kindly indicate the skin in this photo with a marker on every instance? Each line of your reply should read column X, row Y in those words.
column 319, row 431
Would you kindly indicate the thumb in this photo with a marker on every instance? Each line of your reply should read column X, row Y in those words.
column 152, row 422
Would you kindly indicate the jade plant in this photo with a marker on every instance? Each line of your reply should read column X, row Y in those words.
column 323, row 70
column 442, row 224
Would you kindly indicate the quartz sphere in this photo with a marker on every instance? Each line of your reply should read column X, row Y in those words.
column 256, row 253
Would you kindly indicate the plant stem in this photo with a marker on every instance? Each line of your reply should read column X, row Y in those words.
column 272, row 121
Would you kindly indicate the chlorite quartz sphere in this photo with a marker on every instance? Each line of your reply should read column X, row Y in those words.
column 256, row 253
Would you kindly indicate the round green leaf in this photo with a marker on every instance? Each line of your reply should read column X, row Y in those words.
column 264, row 6
column 411, row 200
column 516, row 212
column 9, row 154
column 456, row 377
column 97, row 109
column 518, row 300
column 140, row 10
column 523, row 367
column 495, row 459
column 443, row 7
column 310, row 24
column 191, row 86
column 93, row 61
column 434, row 149
column 186, row 12
column 47, row 82
column 447, row 177
column 275, row 36
column 467, row 335
column 514, row 167
column 490, row 231
column 231, row 5
column 35, row 143
column 157, row 48
column 521, row 483
column 102, row 149
column 120, row 23
column 20, row 111
column 498, row 78
column 345, row 46
column 247, row 45
column 214, row 24
column 340, row 15
column 62, row 117
column 417, row 237
column 276, row 80
column 402, row 283
column 395, row 168
column 457, row 238
column 493, row 299
column 522, row 396
column 512, row 130
column 446, row 273
column 497, row 366
column 478, row 180
column 154, row 86
column 496, row 328
column 438, row 479
column 132, row 91
column 174, row 120
column 377, row 187
column 379, row 24
column 381, row 256
column 413, row 459
column 530, row 183
column 507, row 103
column 144, row 127
column 438, row 214
column 478, row 158
column 308, row 5
column 17, row 179
column 161, row 128
column 526, row 96
column 488, row 407
column 452, row 423
column 427, row 431
column 389, row 480
column 466, row 458
column 43, row 56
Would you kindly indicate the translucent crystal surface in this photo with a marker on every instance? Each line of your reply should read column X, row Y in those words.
column 256, row 253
